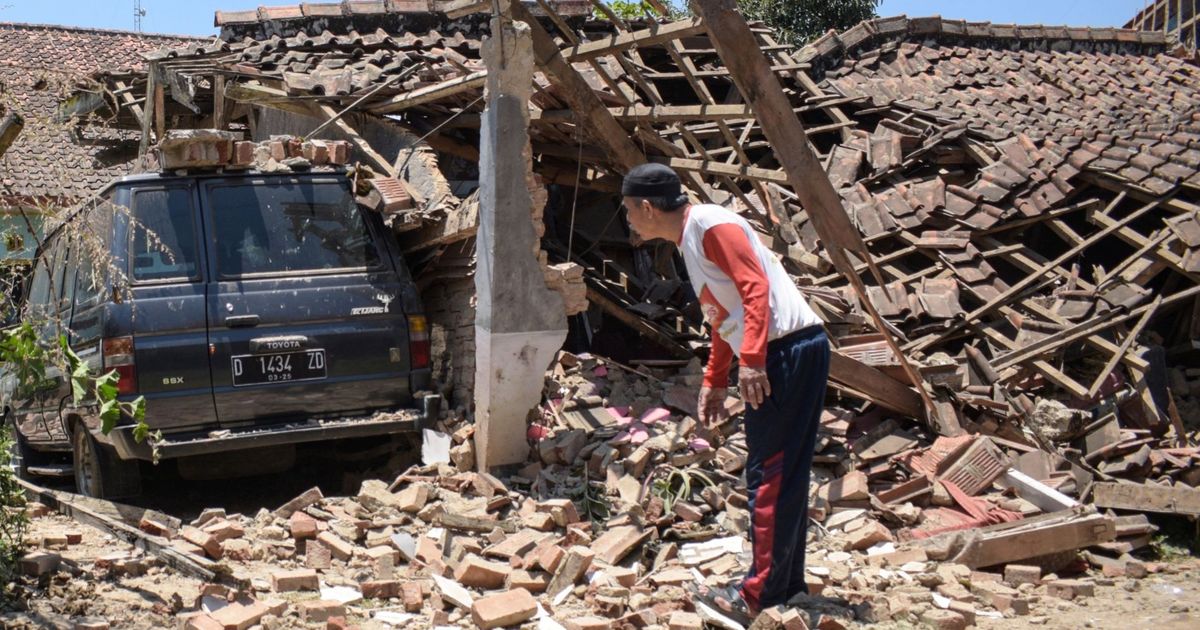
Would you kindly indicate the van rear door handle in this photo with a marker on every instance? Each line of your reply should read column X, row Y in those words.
column 241, row 321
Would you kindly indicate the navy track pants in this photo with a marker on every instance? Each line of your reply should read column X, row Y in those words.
column 781, row 436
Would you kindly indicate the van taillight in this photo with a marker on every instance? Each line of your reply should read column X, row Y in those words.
column 117, row 354
column 418, row 341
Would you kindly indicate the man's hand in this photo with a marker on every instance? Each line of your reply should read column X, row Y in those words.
column 753, row 385
column 711, row 406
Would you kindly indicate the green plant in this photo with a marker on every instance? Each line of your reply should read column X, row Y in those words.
column 678, row 485
column 800, row 21
column 12, row 512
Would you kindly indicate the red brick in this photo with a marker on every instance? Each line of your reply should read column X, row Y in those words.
column 504, row 609
column 302, row 526
column 243, row 153
column 562, row 510
column 412, row 498
column 852, row 487
column 237, row 549
column 380, row 589
column 299, row 580
column 1018, row 574
column 237, row 616
column 340, row 549
column 1070, row 589
column 312, row 495
column 74, row 538
column 155, row 528
column 338, row 623
column 203, row 540
column 317, row 555
column 480, row 573
column 413, row 598
column 39, row 563
column 868, row 535
column 588, row 623
column 202, row 622
column 339, row 152
column 527, row 581
column 321, row 610
column 938, row 619
column 681, row 620
column 550, row 557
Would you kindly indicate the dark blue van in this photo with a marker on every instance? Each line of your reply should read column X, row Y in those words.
column 253, row 311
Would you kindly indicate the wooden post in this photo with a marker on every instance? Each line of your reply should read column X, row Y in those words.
column 150, row 109
column 219, row 101
column 752, row 73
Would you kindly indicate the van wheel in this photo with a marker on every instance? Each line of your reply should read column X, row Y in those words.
column 99, row 472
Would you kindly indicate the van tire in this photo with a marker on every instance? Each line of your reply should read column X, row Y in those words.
column 99, row 473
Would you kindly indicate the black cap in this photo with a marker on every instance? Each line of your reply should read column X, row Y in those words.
column 651, row 180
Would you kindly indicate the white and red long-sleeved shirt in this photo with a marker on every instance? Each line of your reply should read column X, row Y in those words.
column 745, row 294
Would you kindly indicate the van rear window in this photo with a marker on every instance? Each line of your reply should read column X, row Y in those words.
column 288, row 227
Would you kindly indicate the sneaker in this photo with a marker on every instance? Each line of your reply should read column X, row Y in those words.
column 725, row 600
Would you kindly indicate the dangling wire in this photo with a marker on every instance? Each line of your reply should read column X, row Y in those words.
column 575, row 194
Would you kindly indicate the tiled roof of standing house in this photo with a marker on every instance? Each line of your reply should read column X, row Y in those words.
column 39, row 64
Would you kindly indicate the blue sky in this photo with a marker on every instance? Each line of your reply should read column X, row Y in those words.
column 195, row 17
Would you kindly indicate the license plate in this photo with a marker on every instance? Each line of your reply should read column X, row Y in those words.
column 279, row 367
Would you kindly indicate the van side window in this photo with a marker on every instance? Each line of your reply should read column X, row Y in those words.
column 92, row 256
column 39, row 288
column 164, row 235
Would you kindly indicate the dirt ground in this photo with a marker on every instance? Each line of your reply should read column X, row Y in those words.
column 1169, row 600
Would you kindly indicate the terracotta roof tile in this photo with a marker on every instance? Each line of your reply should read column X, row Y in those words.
column 39, row 64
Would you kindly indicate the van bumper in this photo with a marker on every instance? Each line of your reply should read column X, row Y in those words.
column 225, row 440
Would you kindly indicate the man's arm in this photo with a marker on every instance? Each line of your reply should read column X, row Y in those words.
column 726, row 245
column 716, row 374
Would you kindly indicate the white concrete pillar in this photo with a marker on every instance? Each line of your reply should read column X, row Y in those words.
column 519, row 323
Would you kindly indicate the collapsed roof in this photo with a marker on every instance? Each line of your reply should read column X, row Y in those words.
column 1027, row 191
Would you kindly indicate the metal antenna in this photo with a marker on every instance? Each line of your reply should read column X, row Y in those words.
column 138, row 14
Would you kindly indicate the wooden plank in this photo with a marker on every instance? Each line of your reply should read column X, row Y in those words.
column 751, row 72
column 1029, row 538
column 364, row 147
column 1044, row 368
column 611, row 136
column 256, row 94
column 722, row 168
column 430, row 93
column 219, row 101
column 463, row 8
column 1147, row 497
column 160, row 113
column 151, row 82
column 1085, row 329
column 620, row 42
column 1019, row 287
column 658, row 113
column 879, row 388
column 75, row 507
column 647, row 329
column 1130, row 337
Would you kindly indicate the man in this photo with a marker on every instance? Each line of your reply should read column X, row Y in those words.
column 757, row 313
